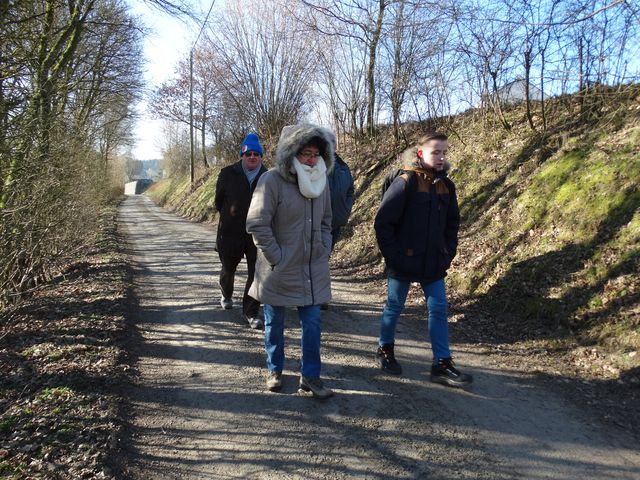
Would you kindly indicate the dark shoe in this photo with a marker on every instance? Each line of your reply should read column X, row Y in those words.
column 387, row 360
column 315, row 386
column 226, row 303
column 445, row 373
column 274, row 381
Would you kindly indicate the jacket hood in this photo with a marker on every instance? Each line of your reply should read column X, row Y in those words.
column 293, row 138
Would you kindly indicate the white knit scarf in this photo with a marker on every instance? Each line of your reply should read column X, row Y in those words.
column 311, row 180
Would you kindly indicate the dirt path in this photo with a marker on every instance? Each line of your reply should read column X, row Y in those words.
column 201, row 411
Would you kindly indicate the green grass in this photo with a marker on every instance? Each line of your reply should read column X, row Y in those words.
column 55, row 393
column 8, row 471
column 7, row 424
column 179, row 196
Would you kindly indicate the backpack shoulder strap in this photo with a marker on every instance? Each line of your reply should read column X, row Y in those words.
column 409, row 176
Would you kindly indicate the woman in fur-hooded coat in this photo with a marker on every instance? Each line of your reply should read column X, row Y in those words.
column 292, row 230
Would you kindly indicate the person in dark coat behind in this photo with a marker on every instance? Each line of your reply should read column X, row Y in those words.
column 341, row 187
column 234, row 188
column 417, row 231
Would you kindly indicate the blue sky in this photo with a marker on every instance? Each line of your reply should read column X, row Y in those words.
column 168, row 41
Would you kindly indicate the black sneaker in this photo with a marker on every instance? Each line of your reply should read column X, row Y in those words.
column 387, row 360
column 445, row 373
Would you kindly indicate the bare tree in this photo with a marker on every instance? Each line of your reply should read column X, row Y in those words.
column 261, row 66
column 342, row 78
column 171, row 100
column 486, row 38
column 363, row 23
column 175, row 149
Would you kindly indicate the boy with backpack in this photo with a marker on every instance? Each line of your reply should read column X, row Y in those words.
column 417, row 232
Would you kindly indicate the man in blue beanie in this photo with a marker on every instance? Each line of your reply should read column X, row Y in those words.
column 234, row 189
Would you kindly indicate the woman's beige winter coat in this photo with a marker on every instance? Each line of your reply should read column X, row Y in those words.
column 292, row 233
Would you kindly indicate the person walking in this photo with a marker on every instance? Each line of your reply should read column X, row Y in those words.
column 342, row 189
column 234, row 188
column 416, row 229
column 290, row 220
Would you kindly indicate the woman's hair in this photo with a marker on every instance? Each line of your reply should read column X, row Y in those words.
column 319, row 143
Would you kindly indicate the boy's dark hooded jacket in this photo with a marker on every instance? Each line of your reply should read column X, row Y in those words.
column 417, row 225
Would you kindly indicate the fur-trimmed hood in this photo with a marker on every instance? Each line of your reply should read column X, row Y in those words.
column 293, row 138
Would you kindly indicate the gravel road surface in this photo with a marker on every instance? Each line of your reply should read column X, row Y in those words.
column 201, row 411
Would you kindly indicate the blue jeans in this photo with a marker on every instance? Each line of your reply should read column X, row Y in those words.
column 434, row 293
column 309, row 342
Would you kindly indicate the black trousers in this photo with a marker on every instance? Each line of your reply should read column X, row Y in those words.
column 250, row 305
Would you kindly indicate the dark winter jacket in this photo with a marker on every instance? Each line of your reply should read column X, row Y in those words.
column 417, row 226
column 233, row 196
column 341, row 186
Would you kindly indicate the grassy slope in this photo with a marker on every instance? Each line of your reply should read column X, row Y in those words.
column 550, row 243
column 196, row 203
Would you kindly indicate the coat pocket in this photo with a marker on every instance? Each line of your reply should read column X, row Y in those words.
column 409, row 262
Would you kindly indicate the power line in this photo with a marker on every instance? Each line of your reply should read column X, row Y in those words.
column 191, row 142
column 203, row 24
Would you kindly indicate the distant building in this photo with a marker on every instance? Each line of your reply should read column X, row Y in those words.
column 136, row 187
column 514, row 92
column 144, row 169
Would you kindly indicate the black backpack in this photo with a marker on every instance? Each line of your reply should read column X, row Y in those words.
column 391, row 176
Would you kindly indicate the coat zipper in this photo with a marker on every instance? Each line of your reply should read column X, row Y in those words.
column 313, row 302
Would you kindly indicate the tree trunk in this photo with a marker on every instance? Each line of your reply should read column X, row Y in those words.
column 203, row 137
column 373, row 48
column 497, row 102
column 527, row 93
column 543, row 112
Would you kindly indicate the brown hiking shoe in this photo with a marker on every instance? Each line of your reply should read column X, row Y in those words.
column 315, row 386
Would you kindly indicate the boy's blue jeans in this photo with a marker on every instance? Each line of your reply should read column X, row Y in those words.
column 434, row 293
column 309, row 342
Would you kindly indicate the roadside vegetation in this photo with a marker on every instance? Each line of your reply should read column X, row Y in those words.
column 63, row 361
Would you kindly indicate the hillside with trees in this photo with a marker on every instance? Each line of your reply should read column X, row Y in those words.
column 70, row 73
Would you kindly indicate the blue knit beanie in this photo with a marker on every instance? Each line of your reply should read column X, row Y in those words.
column 251, row 144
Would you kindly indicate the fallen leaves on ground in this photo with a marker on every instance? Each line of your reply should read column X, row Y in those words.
column 61, row 361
